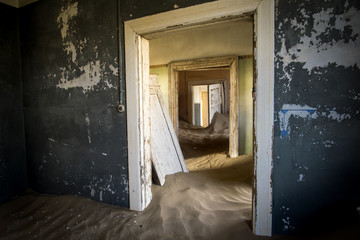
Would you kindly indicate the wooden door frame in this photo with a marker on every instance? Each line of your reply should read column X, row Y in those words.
column 201, row 14
column 230, row 62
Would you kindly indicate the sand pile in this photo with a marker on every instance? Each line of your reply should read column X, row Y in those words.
column 211, row 202
column 217, row 130
column 205, row 204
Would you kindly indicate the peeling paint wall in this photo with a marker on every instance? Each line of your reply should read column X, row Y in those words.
column 316, row 147
column 13, row 179
column 75, row 138
column 73, row 74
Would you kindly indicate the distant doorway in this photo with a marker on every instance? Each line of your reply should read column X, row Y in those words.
column 223, row 81
column 205, row 100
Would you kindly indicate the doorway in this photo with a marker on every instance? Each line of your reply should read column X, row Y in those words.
column 205, row 100
column 137, row 71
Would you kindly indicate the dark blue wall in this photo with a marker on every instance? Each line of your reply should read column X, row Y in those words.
column 73, row 72
column 12, row 147
column 75, row 137
column 317, row 104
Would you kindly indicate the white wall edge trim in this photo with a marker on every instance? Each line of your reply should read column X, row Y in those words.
column 133, row 116
column 195, row 15
column 264, row 118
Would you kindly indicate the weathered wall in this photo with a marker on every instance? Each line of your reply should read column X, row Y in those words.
column 13, row 179
column 76, row 139
column 317, row 102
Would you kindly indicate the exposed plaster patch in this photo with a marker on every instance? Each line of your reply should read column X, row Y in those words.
column 115, row 70
column 312, row 52
column 326, row 143
column 90, row 73
column 102, row 186
column 71, row 50
column 87, row 120
column 87, row 81
column 92, row 192
column 66, row 14
column 176, row 6
column 301, row 178
column 295, row 110
column 337, row 116
column 286, row 219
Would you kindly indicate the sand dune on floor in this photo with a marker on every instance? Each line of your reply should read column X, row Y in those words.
column 197, row 205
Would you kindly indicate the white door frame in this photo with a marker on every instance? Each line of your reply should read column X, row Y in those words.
column 264, row 101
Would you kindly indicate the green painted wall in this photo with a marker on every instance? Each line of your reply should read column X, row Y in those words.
column 245, row 85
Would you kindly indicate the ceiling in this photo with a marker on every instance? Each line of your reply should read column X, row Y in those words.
column 17, row 3
column 232, row 38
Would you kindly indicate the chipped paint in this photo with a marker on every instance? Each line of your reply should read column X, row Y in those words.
column 87, row 120
column 92, row 192
column 91, row 73
column 115, row 70
column 317, row 64
column 286, row 219
column 90, row 77
column 295, row 110
column 337, row 116
column 66, row 14
column 301, row 178
column 313, row 53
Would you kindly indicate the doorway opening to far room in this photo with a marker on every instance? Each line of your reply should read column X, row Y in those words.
column 137, row 69
column 199, row 74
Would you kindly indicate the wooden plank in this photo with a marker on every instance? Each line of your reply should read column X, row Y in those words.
column 144, row 70
column 166, row 153
column 133, row 119
column 234, row 109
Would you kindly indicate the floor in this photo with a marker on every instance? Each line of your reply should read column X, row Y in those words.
column 213, row 201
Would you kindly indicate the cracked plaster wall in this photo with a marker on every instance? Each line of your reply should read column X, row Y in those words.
column 317, row 102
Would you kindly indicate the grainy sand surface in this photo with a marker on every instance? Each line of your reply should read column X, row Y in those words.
column 213, row 201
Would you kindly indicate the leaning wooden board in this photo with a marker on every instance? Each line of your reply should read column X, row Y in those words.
column 166, row 153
